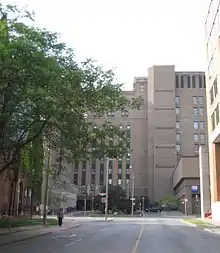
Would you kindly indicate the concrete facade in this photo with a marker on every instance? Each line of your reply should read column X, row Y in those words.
column 186, row 184
column 204, row 181
column 170, row 123
column 212, row 27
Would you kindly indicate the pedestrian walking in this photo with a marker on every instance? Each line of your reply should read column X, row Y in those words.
column 60, row 217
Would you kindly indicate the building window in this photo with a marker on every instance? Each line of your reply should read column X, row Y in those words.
column 93, row 179
column 182, row 82
column 124, row 114
column 101, row 182
column 200, row 82
column 121, row 127
column 217, row 114
column 177, row 82
column 195, row 125
column 202, row 138
column 76, row 166
column 213, row 121
column 177, row 110
column 188, row 82
column 194, row 100
column 196, row 138
column 119, row 181
column 177, row 100
column 201, row 101
column 215, row 86
column 141, row 88
column 201, row 111
column 196, row 148
column 177, row 124
column 75, row 178
column 193, row 81
column 202, row 125
column 178, row 148
column 178, row 137
column 204, row 82
column 211, row 95
column 195, row 111
column 110, row 181
column 128, row 127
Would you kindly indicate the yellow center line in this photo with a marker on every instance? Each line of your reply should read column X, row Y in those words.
column 138, row 239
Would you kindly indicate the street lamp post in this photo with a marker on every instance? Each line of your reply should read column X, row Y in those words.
column 143, row 205
column 106, row 189
column 132, row 193
column 46, row 189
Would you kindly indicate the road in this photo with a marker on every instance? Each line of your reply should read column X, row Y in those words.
column 137, row 235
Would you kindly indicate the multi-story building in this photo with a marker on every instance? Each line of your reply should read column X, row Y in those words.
column 212, row 26
column 170, row 123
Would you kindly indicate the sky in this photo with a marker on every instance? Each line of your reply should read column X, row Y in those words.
column 128, row 35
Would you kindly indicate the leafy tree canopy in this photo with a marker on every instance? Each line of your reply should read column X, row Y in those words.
column 45, row 93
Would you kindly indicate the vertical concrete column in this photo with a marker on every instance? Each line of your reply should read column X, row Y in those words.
column 205, row 196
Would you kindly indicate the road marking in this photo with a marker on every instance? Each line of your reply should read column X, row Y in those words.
column 69, row 244
column 63, row 236
column 138, row 239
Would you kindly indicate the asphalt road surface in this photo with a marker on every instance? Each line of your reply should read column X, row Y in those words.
column 140, row 235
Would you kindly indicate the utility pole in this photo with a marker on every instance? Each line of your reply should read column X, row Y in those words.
column 132, row 193
column 143, row 205
column 106, row 189
column 46, row 189
column 93, row 204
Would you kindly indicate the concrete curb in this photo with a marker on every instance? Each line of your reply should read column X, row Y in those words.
column 37, row 235
column 210, row 230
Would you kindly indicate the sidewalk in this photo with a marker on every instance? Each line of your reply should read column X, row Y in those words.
column 24, row 233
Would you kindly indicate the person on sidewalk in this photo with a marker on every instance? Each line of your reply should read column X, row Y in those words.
column 60, row 217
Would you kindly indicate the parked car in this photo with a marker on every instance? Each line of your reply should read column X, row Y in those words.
column 154, row 209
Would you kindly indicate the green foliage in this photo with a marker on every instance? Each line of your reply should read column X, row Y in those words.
column 45, row 96
column 116, row 201
column 171, row 201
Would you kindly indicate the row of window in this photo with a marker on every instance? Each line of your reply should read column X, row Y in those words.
column 93, row 171
column 197, row 137
column 196, row 125
column 178, row 148
column 189, row 81
column 196, row 111
column 197, row 100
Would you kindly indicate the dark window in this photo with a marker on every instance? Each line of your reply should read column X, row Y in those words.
column 128, row 176
column 215, row 87
column 204, row 83
column 76, row 178
column 177, row 82
column 101, row 174
column 200, row 82
column 84, row 173
column 213, row 121
column 76, row 166
column 217, row 114
column 211, row 95
column 93, row 179
column 119, row 176
column 193, row 81
column 188, row 82
column 182, row 82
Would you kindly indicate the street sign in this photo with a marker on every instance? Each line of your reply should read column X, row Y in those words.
column 132, row 199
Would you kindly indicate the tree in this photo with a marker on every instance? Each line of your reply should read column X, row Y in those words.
column 116, row 201
column 45, row 94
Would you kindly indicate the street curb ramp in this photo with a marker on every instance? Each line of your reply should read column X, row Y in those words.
column 36, row 236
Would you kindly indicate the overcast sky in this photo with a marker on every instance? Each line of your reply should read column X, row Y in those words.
column 130, row 35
